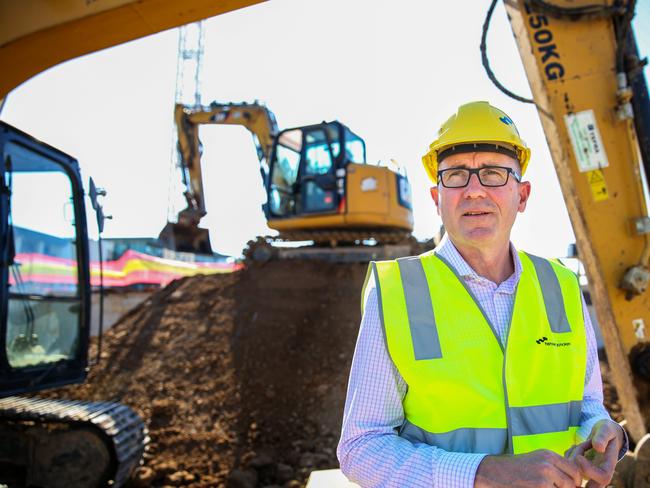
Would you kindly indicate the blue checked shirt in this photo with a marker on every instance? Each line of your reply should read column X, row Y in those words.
column 370, row 451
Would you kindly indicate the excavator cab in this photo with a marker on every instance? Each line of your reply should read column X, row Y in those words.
column 320, row 188
column 44, row 277
column 307, row 166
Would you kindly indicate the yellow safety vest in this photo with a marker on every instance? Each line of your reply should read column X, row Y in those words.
column 468, row 393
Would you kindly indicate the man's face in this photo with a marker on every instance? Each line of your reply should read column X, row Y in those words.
column 476, row 215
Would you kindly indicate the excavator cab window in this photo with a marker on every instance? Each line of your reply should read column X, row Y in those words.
column 43, row 308
column 355, row 148
column 318, row 180
column 45, row 282
column 284, row 173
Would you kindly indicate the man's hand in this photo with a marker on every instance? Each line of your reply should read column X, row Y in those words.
column 597, row 456
column 532, row 470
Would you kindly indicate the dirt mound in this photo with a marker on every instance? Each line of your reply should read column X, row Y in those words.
column 241, row 377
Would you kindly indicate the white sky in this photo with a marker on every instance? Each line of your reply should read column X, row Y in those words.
column 391, row 71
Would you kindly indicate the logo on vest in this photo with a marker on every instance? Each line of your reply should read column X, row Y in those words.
column 544, row 340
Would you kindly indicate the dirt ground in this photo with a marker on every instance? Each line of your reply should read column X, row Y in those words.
column 240, row 377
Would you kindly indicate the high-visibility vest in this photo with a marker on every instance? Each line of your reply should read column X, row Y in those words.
column 468, row 393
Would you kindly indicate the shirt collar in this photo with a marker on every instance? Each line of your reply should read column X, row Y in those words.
column 448, row 251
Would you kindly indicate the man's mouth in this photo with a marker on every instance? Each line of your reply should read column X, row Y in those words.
column 476, row 213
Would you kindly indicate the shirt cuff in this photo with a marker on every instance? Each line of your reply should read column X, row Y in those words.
column 456, row 469
column 626, row 442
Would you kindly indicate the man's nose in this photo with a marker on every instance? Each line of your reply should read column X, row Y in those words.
column 474, row 187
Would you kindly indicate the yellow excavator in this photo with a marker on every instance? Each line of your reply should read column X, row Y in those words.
column 588, row 85
column 318, row 185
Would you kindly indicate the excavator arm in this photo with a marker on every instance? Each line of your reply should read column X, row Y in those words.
column 581, row 65
column 258, row 119
column 35, row 35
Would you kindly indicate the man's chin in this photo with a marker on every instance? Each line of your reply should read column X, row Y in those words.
column 479, row 235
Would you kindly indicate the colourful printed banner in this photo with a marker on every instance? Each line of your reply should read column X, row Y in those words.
column 132, row 268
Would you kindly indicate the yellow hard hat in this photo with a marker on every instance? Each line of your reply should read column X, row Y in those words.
column 476, row 126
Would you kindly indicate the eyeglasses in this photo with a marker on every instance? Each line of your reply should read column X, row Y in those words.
column 491, row 176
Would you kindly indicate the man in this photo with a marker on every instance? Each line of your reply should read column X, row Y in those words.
column 476, row 365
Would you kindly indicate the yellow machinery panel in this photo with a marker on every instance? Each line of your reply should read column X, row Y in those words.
column 371, row 201
column 571, row 69
column 35, row 35
column 373, row 196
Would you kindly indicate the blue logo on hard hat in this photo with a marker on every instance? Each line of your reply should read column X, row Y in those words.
column 506, row 120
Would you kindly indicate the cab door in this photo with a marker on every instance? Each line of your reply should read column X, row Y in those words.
column 283, row 190
column 44, row 276
column 318, row 172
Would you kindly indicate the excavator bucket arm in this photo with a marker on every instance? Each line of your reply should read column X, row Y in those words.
column 185, row 234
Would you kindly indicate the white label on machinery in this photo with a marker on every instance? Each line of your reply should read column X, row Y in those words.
column 369, row 184
column 585, row 138
column 639, row 328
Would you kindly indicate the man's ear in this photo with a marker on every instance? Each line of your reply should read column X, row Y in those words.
column 434, row 195
column 524, row 194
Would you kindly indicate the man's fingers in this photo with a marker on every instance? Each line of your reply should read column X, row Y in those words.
column 568, row 469
column 580, row 449
column 558, row 478
column 609, row 459
column 561, row 479
column 593, row 484
column 591, row 471
column 602, row 437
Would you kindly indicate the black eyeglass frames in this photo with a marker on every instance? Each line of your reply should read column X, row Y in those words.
column 490, row 176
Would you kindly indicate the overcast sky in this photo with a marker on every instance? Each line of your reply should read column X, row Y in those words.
column 392, row 71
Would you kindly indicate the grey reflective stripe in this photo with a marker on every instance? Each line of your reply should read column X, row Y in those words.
column 552, row 293
column 379, row 304
column 486, row 441
column 371, row 267
column 424, row 333
column 540, row 419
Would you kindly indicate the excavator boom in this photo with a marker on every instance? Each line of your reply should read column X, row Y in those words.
column 36, row 35
column 581, row 88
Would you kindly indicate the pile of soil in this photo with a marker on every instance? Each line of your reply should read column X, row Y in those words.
column 241, row 377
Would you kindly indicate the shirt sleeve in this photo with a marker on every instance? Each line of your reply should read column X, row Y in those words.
column 593, row 409
column 370, row 452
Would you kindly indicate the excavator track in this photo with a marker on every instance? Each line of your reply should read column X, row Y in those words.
column 335, row 236
column 67, row 443
column 334, row 246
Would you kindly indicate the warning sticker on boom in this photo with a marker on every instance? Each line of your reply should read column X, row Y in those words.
column 598, row 186
column 585, row 139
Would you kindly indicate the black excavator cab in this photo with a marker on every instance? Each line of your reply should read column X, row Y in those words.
column 45, row 273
